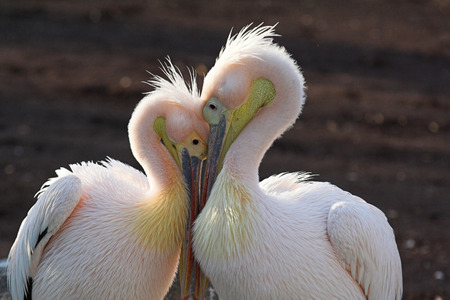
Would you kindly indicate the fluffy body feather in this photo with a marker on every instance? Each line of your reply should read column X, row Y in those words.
column 286, row 237
column 97, row 252
column 105, row 230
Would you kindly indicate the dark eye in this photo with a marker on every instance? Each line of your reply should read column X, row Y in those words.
column 195, row 142
column 212, row 106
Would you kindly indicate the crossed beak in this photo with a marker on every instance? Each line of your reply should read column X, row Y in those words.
column 199, row 177
column 192, row 280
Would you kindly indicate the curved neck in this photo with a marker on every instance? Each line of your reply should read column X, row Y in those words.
column 162, row 212
column 158, row 165
column 246, row 152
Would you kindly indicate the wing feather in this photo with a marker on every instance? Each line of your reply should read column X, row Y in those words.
column 365, row 244
column 56, row 200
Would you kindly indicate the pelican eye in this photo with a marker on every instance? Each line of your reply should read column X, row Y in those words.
column 213, row 110
column 195, row 142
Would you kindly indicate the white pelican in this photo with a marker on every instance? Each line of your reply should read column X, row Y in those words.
column 285, row 237
column 107, row 231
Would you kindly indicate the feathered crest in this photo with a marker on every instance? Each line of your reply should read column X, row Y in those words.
column 175, row 87
column 244, row 43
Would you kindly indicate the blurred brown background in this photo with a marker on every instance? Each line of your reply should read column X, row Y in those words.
column 376, row 121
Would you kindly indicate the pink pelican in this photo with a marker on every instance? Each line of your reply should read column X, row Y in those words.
column 107, row 231
column 286, row 237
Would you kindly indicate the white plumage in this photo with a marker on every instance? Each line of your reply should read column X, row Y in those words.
column 285, row 237
column 94, row 254
column 105, row 230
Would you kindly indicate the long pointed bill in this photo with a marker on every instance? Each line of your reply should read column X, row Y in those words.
column 216, row 137
column 193, row 282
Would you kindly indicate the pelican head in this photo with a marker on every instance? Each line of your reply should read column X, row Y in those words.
column 250, row 73
column 169, row 121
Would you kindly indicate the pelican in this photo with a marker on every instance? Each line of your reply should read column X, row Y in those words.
column 286, row 237
column 107, row 231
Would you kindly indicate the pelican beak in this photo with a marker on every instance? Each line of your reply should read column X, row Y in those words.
column 226, row 124
column 192, row 280
column 217, row 134
column 191, row 168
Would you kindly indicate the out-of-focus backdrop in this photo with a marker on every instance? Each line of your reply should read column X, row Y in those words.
column 376, row 121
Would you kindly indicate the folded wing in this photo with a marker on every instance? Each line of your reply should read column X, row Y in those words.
column 365, row 244
column 56, row 201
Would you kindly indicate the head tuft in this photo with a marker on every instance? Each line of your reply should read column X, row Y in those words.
column 174, row 88
column 246, row 43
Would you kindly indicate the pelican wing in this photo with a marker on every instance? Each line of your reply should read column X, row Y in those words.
column 56, row 201
column 365, row 245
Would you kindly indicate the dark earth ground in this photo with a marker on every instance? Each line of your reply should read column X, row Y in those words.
column 376, row 121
